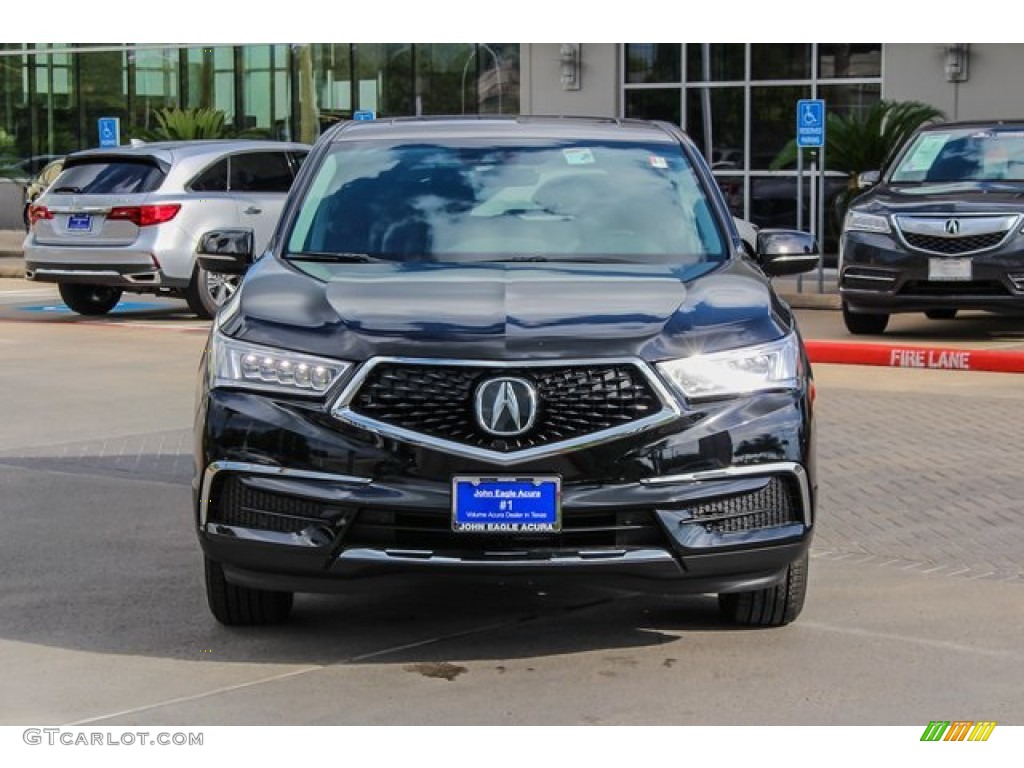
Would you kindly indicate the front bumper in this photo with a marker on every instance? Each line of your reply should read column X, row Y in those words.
column 289, row 498
column 879, row 274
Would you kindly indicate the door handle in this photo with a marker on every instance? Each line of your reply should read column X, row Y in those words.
column 252, row 209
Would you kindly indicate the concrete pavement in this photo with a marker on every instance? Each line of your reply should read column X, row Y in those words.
column 910, row 615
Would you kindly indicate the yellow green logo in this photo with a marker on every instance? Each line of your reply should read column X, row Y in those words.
column 958, row 730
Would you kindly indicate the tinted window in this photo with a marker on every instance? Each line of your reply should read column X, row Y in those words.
column 260, row 172
column 109, row 177
column 614, row 201
column 213, row 179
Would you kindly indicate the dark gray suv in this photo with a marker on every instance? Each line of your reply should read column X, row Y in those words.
column 940, row 230
column 506, row 347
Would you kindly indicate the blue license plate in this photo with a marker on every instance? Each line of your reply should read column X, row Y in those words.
column 80, row 222
column 507, row 504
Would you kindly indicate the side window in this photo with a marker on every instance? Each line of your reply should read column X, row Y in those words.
column 260, row 172
column 213, row 179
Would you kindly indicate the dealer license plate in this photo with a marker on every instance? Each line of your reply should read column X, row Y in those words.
column 949, row 269
column 507, row 504
column 80, row 222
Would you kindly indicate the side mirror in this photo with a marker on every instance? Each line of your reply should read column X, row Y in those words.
column 227, row 251
column 868, row 179
column 786, row 252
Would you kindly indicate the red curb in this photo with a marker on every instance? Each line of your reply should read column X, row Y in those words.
column 899, row 356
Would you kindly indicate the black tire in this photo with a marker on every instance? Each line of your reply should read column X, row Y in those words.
column 237, row 606
column 861, row 325
column 209, row 290
column 772, row 607
column 90, row 299
column 940, row 314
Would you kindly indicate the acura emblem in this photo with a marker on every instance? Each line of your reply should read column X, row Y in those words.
column 506, row 407
column 952, row 227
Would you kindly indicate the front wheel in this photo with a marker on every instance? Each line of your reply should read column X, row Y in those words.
column 89, row 299
column 772, row 607
column 209, row 290
column 237, row 606
column 861, row 325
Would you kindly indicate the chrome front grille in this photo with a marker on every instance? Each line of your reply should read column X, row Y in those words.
column 953, row 246
column 436, row 403
column 952, row 235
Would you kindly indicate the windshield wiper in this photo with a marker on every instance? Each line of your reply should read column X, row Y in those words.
column 561, row 259
column 329, row 256
column 507, row 259
column 72, row 190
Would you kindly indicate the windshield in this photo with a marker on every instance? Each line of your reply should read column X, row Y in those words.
column 990, row 154
column 496, row 202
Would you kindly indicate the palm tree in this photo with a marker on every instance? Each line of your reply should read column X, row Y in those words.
column 174, row 124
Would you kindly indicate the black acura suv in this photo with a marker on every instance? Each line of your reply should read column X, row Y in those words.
column 502, row 347
column 940, row 230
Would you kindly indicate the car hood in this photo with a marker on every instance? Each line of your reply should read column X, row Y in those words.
column 946, row 198
column 506, row 311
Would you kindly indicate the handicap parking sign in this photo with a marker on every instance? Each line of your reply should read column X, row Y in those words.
column 810, row 123
column 110, row 131
column 364, row 114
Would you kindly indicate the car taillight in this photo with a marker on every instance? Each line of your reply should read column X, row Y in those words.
column 37, row 212
column 145, row 215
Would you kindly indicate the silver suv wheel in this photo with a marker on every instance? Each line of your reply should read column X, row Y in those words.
column 209, row 290
column 221, row 287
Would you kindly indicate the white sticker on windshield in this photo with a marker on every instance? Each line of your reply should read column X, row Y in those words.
column 925, row 152
column 578, row 156
column 659, row 162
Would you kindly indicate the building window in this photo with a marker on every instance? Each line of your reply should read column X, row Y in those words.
column 659, row 103
column 153, row 83
column 653, row 62
column 210, row 79
column 738, row 104
column 710, row 62
column 780, row 61
column 849, row 60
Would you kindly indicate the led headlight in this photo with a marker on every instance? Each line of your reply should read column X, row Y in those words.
column 866, row 222
column 240, row 364
column 775, row 365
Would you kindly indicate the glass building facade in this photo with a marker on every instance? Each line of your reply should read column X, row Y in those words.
column 737, row 102
column 51, row 96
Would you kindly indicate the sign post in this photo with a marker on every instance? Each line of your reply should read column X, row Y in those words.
column 810, row 132
column 110, row 132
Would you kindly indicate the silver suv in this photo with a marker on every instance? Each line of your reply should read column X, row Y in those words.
column 130, row 218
